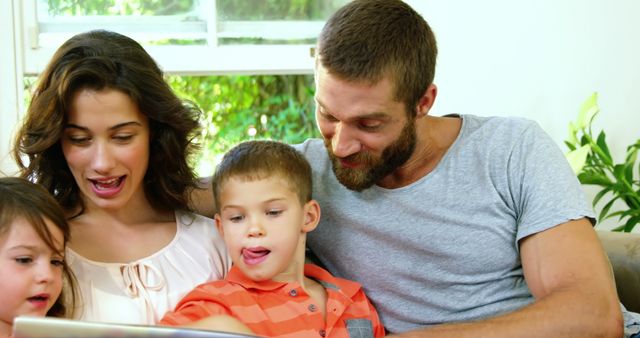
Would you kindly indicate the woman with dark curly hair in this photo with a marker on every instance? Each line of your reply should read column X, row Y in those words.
column 108, row 138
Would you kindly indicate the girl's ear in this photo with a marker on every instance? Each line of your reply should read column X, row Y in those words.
column 311, row 216
column 219, row 224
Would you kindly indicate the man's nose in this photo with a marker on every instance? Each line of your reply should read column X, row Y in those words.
column 344, row 142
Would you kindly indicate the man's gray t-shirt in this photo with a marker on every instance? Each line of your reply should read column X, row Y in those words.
column 445, row 248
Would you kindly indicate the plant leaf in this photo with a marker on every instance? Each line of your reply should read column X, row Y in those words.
column 627, row 213
column 603, row 213
column 618, row 228
column 587, row 111
column 632, row 155
column 594, row 179
column 573, row 138
column 602, row 144
column 631, row 223
column 577, row 158
column 617, row 213
column 601, row 194
column 637, row 146
column 631, row 198
column 584, row 140
column 619, row 172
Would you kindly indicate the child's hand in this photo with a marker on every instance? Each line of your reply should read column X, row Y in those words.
column 221, row 323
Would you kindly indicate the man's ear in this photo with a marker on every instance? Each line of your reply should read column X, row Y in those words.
column 426, row 101
column 218, row 222
column 311, row 216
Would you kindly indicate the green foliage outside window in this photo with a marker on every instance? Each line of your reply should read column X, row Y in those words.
column 238, row 108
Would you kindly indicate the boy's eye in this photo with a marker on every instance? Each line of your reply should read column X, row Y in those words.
column 236, row 219
column 57, row 262
column 274, row 212
column 23, row 260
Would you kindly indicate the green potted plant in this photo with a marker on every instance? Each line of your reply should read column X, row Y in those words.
column 592, row 162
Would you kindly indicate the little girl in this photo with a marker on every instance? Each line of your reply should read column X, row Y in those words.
column 33, row 235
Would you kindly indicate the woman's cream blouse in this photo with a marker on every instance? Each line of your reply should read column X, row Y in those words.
column 140, row 292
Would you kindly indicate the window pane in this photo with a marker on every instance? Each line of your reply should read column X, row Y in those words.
column 262, row 22
column 58, row 8
column 151, row 22
column 220, row 36
column 180, row 22
column 252, row 10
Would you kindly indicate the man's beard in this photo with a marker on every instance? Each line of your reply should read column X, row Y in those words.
column 373, row 169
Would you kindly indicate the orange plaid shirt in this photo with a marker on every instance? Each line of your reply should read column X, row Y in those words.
column 277, row 309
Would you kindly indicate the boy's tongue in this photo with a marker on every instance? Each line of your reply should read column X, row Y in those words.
column 253, row 256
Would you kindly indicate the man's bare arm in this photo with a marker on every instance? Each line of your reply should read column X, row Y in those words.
column 570, row 277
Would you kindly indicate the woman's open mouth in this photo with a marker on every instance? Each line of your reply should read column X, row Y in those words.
column 107, row 187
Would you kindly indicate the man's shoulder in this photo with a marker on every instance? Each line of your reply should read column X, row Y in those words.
column 511, row 123
column 311, row 147
column 498, row 130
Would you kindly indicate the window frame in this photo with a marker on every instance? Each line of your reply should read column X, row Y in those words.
column 210, row 59
column 11, row 77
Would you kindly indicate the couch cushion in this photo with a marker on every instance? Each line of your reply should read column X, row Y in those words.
column 623, row 250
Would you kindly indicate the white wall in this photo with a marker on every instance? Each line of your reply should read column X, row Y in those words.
column 540, row 59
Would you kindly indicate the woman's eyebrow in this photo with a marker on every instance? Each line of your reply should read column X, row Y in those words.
column 117, row 126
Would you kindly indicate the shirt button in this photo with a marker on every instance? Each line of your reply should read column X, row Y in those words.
column 312, row 308
column 293, row 292
column 322, row 333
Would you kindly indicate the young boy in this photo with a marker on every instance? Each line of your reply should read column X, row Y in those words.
column 262, row 191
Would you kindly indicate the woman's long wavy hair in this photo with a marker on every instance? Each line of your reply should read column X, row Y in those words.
column 100, row 60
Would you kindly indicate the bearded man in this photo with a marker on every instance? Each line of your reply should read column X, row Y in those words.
column 455, row 226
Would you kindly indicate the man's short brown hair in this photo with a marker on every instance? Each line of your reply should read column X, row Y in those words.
column 366, row 40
